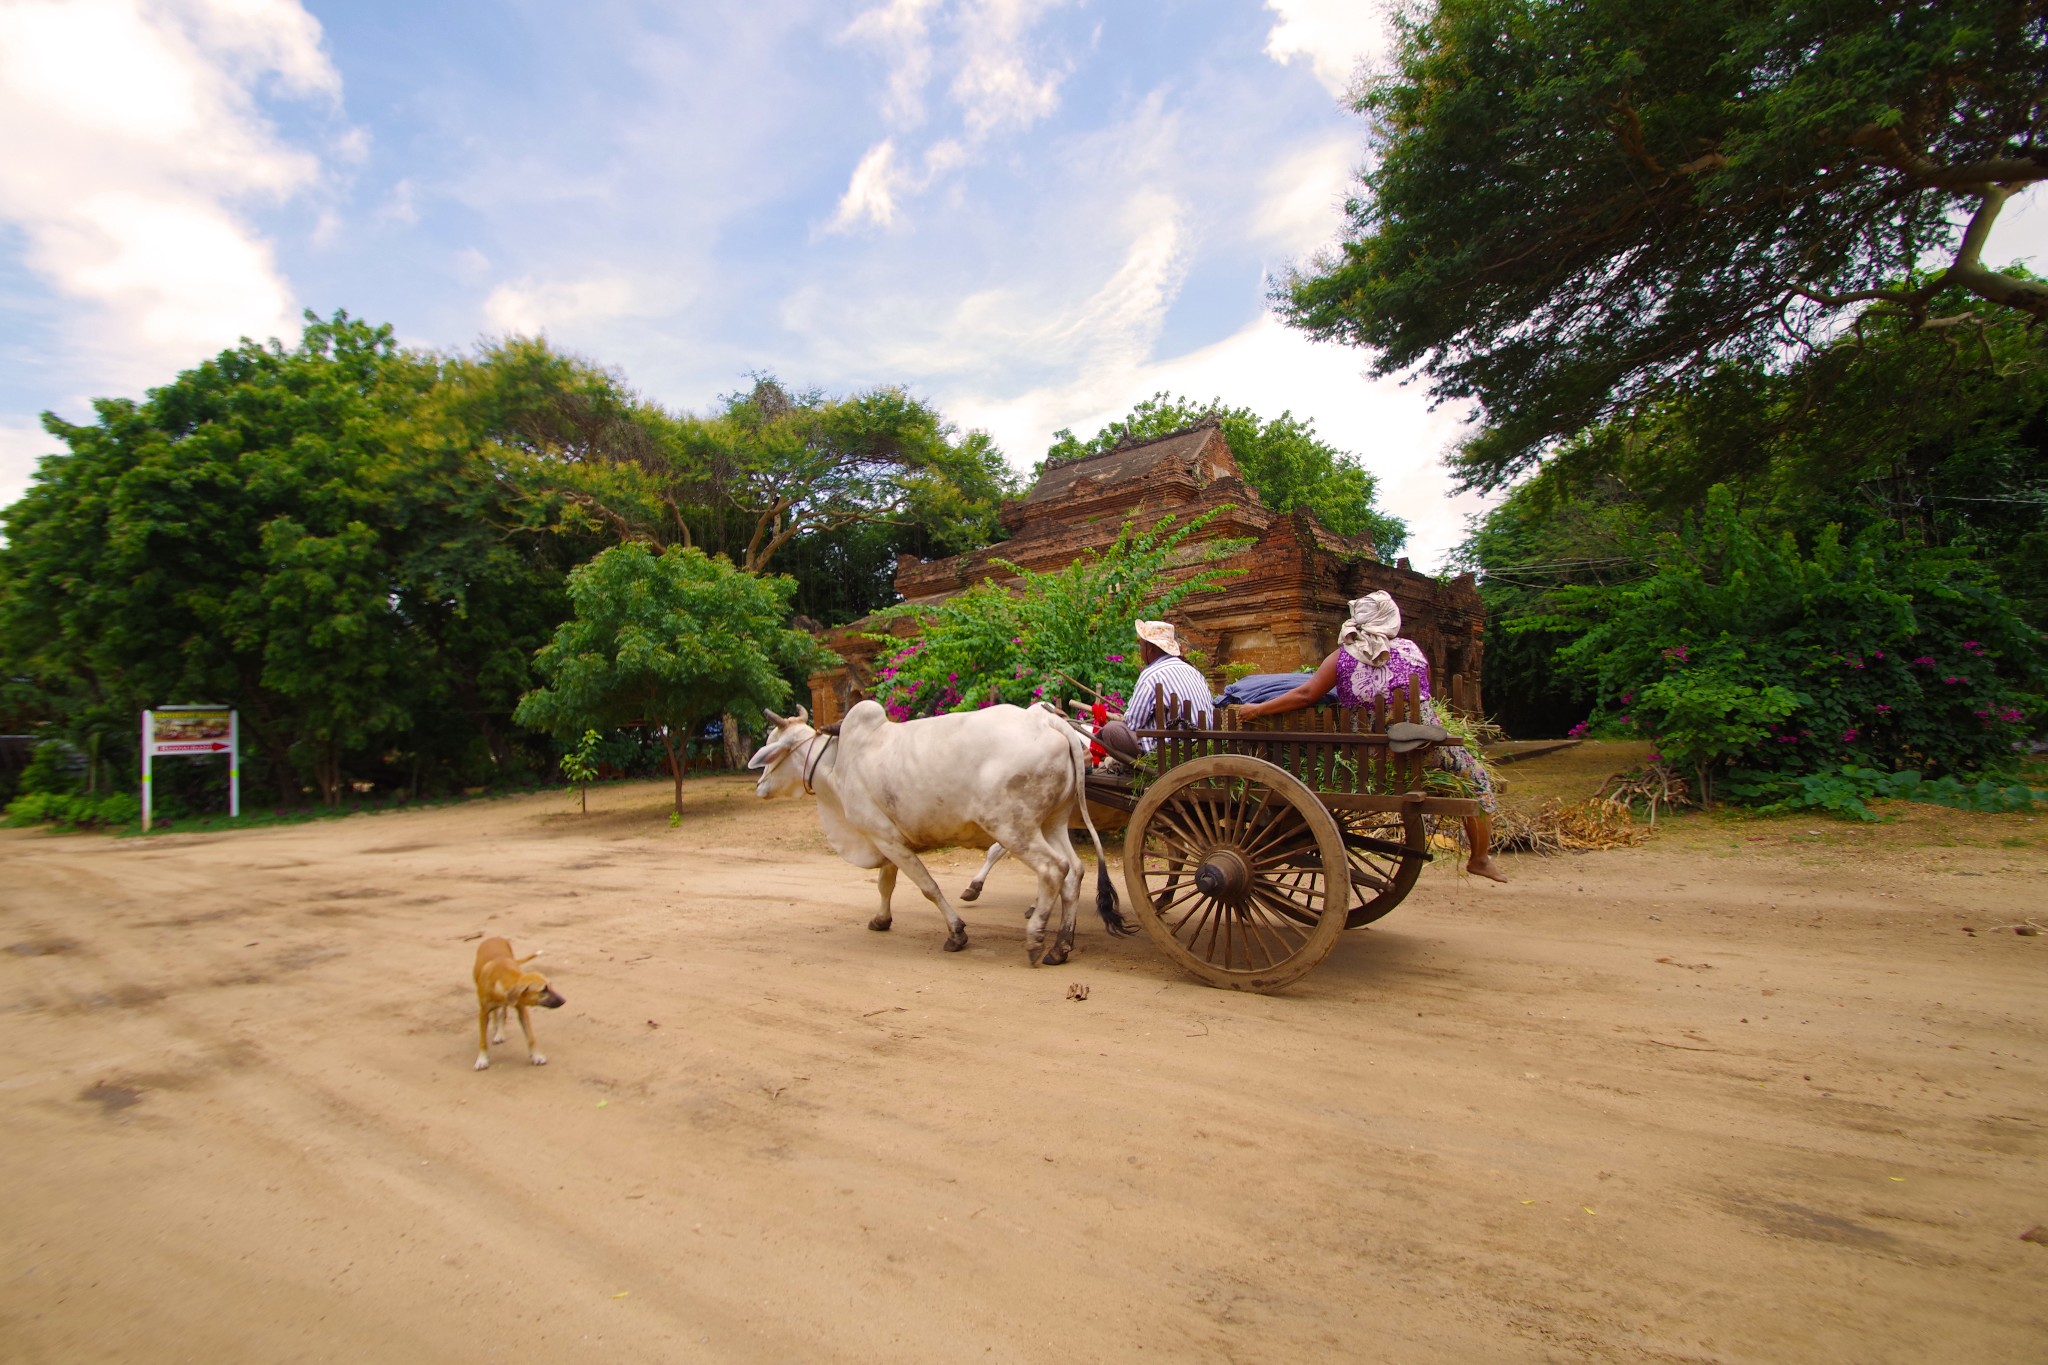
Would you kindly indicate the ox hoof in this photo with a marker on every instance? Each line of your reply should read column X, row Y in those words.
column 880, row 925
column 1055, row 955
column 956, row 942
column 971, row 893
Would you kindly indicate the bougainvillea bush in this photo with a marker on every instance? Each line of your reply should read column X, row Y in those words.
column 1745, row 656
column 1011, row 642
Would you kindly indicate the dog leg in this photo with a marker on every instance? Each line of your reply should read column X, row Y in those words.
column 483, row 1037
column 498, row 1024
column 527, row 1025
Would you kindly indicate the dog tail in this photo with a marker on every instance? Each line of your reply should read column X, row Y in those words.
column 530, row 956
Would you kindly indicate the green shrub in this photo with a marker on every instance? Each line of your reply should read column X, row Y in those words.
column 71, row 810
column 1847, row 790
column 1743, row 653
column 1000, row 642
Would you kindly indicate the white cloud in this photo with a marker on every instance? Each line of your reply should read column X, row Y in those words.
column 133, row 133
column 21, row 445
column 1334, row 35
column 901, row 31
column 998, row 86
column 529, row 307
column 871, row 195
column 1301, row 208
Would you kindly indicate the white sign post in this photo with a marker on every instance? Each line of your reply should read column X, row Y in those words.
column 192, row 732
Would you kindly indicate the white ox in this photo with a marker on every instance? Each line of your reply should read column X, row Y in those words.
column 888, row 792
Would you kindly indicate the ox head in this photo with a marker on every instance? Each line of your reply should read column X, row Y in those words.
column 781, row 758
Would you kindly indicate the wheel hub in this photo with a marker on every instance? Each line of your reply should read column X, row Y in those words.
column 1226, row 876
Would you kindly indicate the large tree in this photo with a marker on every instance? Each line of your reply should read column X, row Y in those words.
column 1281, row 457
column 299, row 533
column 1570, row 208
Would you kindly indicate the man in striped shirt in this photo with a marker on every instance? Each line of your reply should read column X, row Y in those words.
column 1167, row 678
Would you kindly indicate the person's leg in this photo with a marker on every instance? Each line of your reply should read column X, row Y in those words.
column 1479, row 834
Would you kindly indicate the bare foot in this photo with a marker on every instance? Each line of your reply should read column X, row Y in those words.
column 1486, row 867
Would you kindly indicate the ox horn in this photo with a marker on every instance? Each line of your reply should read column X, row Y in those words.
column 803, row 715
column 773, row 719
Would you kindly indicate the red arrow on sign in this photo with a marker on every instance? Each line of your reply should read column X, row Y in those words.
column 211, row 748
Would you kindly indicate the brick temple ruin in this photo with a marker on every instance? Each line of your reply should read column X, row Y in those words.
column 1281, row 614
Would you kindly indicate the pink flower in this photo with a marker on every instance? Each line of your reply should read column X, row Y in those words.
column 1848, row 736
column 1877, row 654
column 1952, row 680
column 1924, row 661
column 1116, row 658
column 1883, row 710
column 1628, row 699
column 1626, row 720
column 2011, row 713
column 1579, row 731
column 1974, row 646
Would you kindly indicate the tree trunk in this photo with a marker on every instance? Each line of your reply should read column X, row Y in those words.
column 734, row 741
column 675, row 762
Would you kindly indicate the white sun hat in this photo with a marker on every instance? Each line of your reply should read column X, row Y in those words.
column 1159, row 634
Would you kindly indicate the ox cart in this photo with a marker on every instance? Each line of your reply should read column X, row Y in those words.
column 1255, row 843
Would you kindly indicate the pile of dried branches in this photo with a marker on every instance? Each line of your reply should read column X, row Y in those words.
column 1654, row 785
column 1560, row 827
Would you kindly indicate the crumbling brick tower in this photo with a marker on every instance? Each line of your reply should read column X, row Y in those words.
column 1279, row 615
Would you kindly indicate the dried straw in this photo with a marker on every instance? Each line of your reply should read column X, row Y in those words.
column 1559, row 827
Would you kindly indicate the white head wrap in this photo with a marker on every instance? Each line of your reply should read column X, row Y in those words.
column 1375, row 622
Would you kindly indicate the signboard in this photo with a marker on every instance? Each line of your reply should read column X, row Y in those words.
column 191, row 732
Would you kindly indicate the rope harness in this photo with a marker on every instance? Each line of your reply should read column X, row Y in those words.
column 812, row 747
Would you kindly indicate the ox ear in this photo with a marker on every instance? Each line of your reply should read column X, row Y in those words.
column 773, row 719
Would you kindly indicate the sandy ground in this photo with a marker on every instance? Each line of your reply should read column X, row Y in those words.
column 1747, row 1093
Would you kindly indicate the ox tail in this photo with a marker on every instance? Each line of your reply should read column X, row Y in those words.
column 1105, row 889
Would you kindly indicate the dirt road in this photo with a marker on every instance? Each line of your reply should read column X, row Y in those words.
column 1744, row 1094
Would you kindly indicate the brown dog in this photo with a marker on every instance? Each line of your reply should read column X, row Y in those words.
column 501, row 985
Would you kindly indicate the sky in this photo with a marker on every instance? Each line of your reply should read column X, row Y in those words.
column 1032, row 213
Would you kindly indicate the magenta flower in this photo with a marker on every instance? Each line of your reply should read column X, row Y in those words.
column 1788, row 739
column 1848, row 736
column 1116, row 658
column 1883, row 710
column 1974, row 646
column 1579, row 731
column 1924, row 661
column 1952, row 680
column 2011, row 713
column 1628, row 699
column 1877, row 654
column 1626, row 720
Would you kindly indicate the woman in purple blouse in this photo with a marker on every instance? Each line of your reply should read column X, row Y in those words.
column 1371, row 660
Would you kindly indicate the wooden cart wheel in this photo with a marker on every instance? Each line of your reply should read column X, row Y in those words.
column 1381, row 876
column 1238, row 872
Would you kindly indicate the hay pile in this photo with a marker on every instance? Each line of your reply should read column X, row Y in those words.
column 1560, row 827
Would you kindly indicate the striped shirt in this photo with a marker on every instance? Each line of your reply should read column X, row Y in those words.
column 1172, row 681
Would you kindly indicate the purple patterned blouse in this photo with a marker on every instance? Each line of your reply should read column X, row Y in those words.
column 1405, row 666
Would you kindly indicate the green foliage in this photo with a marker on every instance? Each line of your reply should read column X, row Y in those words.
column 303, row 534
column 1282, row 458
column 1742, row 651
column 1011, row 642
column 1571, row 208
column 55, row 768
column 579, row 765
column 73, row 810
column 665, row 641
column 1847, row 790
column 772, row 468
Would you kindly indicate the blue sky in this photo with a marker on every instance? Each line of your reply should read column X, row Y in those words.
column 1033, row 213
